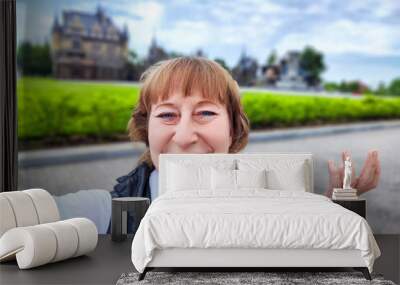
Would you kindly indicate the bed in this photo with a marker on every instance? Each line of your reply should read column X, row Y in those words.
column 245, row 211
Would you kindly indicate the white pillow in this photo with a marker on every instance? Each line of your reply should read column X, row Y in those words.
column 182, row 177
column 223, row 179
column 282, row 174
column 251, row 178
column 226, row 179
column 201, row 160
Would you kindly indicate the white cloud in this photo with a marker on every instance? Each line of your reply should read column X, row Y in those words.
column 345, row 36
column 141, row 30
column 186, row 36
column 317, row 8
column 238, row 11
column 83, row 6
column 269, row 7
column 375, row 8
column 228, row 26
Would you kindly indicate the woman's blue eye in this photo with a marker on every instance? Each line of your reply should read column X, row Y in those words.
column 170, row 116
column 207, row 113
column 166, row 115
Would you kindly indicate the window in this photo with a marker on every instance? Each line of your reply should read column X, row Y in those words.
column 76, row 44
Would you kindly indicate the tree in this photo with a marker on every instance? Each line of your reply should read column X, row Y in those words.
column 34, row 59
column 133, row 56
column 312, row 65
column 381, row 90
column 272, row 58
column 331, row 86
column 134, row 66
column 350, row 86
column 222, row 62
column 24, row 57
column 394, row 87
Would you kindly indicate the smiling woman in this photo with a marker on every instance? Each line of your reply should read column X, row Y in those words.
column 186, row 105
column 188, row 125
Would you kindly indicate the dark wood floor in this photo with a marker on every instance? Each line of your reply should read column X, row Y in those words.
column 110, row 259
column 389, row 262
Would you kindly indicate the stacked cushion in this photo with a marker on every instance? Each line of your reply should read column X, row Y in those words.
column 30, row 230
column 26, row 208
column 41, row 244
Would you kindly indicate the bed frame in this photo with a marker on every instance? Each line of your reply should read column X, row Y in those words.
column 260, row 259
column 248, row 259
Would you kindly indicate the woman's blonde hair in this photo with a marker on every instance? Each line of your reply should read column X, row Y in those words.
column 187, row 74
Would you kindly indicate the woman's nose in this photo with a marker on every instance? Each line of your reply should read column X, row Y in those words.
column 185, row 133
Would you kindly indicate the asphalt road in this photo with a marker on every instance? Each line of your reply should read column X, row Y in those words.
column 96, row 167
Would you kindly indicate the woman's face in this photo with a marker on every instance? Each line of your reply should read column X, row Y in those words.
column 189, row 124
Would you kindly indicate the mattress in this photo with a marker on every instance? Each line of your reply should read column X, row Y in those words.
column 250, row 219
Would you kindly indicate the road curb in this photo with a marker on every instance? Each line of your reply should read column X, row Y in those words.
column 27, row 160
column 256, row 137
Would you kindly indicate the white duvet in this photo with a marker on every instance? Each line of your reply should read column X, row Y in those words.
column 251, row 218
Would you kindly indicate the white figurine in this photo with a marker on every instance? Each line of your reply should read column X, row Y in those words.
column 347, row 174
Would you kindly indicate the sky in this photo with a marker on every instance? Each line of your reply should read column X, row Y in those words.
column 360, row 39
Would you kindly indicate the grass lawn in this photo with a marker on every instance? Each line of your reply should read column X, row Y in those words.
column 51, row 110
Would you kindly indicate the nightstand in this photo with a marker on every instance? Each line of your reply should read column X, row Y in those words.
column 358, row 206
column 119, row 217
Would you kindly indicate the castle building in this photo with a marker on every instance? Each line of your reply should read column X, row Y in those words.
column 88, row 46
column 291, row 74
column 287, row 74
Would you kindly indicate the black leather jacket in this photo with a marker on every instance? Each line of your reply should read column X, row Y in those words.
column 134, row 184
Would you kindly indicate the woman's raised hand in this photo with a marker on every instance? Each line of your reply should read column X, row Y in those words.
column 366, row 181
column 370, row 173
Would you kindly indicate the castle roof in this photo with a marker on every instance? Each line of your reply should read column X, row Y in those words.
column 88, row 22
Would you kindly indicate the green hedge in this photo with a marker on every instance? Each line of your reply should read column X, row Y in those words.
column 51, row 108
column 269, row 110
